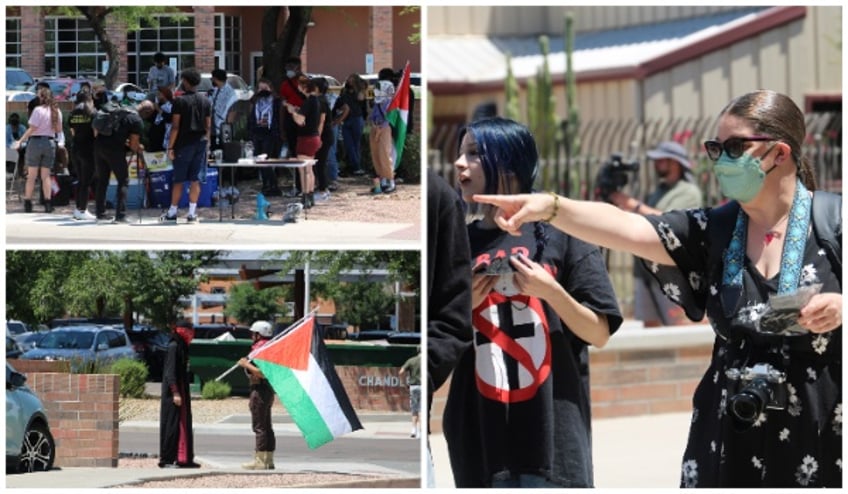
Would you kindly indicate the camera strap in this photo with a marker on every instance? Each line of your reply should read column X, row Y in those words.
column 791, row 261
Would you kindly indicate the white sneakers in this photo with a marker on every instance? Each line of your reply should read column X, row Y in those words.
column 83, row 215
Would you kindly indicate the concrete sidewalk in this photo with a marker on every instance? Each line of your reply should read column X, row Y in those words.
column 377, row 426
column 634, row 452
column 41, row 229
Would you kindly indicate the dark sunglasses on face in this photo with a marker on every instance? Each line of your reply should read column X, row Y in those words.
column 734, row 147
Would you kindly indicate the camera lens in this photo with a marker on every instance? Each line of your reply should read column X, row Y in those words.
column 749, row 403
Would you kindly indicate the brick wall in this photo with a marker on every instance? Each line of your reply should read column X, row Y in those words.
column 204, row 38
column 32, row 41
column 381, row 37
column 375, row 388
column 82, row 410
column 639, row 372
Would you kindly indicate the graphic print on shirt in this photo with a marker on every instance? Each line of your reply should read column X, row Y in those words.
column 512, row 347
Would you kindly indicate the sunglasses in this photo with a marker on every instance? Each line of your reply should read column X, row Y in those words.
column 734, row 147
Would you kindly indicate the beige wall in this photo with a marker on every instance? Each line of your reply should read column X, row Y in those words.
column 798, row 59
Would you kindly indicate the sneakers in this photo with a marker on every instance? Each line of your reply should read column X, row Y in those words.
column 322, row 196
column 192, row 218
column 104, row 218
column 388, row 189
column 334, row 186
column 293, row 210
column 358, row 173
column 121, row 218
column 376, row 190
column 167, row 218
column 83, row 215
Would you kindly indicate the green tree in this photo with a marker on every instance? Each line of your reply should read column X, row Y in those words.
column 130, row 18
column 362, row 304
column 283, row 36
column 43, row 285
column 247, row 304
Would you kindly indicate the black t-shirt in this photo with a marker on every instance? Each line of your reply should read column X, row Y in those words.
column 115, row 145
column 80, row 121
column 327, row 131
column 356, row 107
column 519, row 401
column 311, row 109
column 191, row 106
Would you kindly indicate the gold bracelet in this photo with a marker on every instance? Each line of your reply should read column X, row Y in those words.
column 556, row 208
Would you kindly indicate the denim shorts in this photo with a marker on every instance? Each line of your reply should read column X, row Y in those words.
column 188, row 160
column 40, row 151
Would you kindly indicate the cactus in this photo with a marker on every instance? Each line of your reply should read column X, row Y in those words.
column 572, row 130
column 510, row 92
column 541, row 113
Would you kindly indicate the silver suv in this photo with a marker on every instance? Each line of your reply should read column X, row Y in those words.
column 29, row 445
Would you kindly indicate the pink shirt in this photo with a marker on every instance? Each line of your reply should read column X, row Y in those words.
column 40, row 119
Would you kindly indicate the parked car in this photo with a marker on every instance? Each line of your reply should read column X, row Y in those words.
column 212, row 331
column 16, row 95
column 133, row 92
column 17, row 79
column 331, row 81
column 151, row 347
column 15, row 327
column 28, row 341
column 64, row 88
column 404, row 338
column 13, row 350
column 243, row 91
column 83, row 346
column 29, row 444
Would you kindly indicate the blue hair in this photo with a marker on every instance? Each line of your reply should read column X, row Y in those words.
column 506, row 149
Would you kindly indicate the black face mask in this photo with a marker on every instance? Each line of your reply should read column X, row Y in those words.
column 264, row 93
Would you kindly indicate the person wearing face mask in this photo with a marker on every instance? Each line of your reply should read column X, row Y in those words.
column 291, row 93
column 768, row 411
column 176, row 436
column 223, row 97
column 350, row 111
column 263, row 126
column 675, row 190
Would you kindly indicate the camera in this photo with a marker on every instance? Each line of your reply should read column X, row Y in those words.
column 754, row 389
column 613, row 176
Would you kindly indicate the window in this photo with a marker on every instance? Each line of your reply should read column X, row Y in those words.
column 228, row 42
column 117, row 339
column 71, row 49
column 13, row 42
column 173, row 38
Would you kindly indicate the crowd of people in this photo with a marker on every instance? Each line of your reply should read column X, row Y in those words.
column 527, row 292
column 301, row 119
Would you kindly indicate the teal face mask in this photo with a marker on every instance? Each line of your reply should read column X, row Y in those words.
column 742, row 178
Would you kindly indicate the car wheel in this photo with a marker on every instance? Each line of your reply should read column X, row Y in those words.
column 38, row 451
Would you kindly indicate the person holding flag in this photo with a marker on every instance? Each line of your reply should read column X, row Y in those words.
column 380, row 136
column 398, row 114
column 260, row 401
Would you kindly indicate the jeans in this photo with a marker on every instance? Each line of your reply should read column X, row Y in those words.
column 332, row 160
column 352, row 136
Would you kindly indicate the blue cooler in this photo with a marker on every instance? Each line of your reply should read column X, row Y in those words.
column 134, row 195
column 160, row 188
column 206, row 190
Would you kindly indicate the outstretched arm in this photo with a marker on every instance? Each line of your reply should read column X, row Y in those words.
column 594, row 222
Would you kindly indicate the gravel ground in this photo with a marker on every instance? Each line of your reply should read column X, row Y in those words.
column 352, row 202
column 212, row 411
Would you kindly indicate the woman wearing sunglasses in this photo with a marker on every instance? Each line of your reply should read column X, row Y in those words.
column 768, row 411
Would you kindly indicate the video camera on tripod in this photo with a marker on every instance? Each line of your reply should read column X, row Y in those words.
column 613, row 176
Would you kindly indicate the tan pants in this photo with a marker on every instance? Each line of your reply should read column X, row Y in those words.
column 382, row 151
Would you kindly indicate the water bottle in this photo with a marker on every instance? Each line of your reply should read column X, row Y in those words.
column 248, row 150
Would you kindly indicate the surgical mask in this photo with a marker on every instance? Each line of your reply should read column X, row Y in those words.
column 289, row 74
column 742, row 178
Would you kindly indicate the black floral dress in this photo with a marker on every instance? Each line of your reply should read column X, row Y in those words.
column 797, row 446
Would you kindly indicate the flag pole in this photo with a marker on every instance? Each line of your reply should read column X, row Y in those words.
column 280, row 335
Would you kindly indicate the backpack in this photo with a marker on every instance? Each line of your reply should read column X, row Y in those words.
column 197, row 121
column 109, row 118
column 826, row 220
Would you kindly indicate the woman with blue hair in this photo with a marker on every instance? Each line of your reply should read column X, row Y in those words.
column 518, row 411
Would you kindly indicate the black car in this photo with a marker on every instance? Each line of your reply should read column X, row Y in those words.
column 212, row 331
column 13, row 350
column 151, row 346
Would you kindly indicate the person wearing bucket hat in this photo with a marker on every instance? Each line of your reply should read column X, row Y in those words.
column 675, row 190
column 260, row 401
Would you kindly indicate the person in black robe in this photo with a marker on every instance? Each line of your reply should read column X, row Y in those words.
column 176, row 440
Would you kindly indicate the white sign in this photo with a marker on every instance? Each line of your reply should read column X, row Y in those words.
column 369, row 63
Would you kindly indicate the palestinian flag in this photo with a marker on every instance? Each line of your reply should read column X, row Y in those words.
column 298, row 367
column 397, row 114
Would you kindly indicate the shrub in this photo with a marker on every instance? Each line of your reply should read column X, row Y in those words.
column 215, row 390
column 133, row 376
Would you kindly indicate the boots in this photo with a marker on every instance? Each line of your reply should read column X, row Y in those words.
column 263, row 460
column 48, row 206
column 27, row 206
